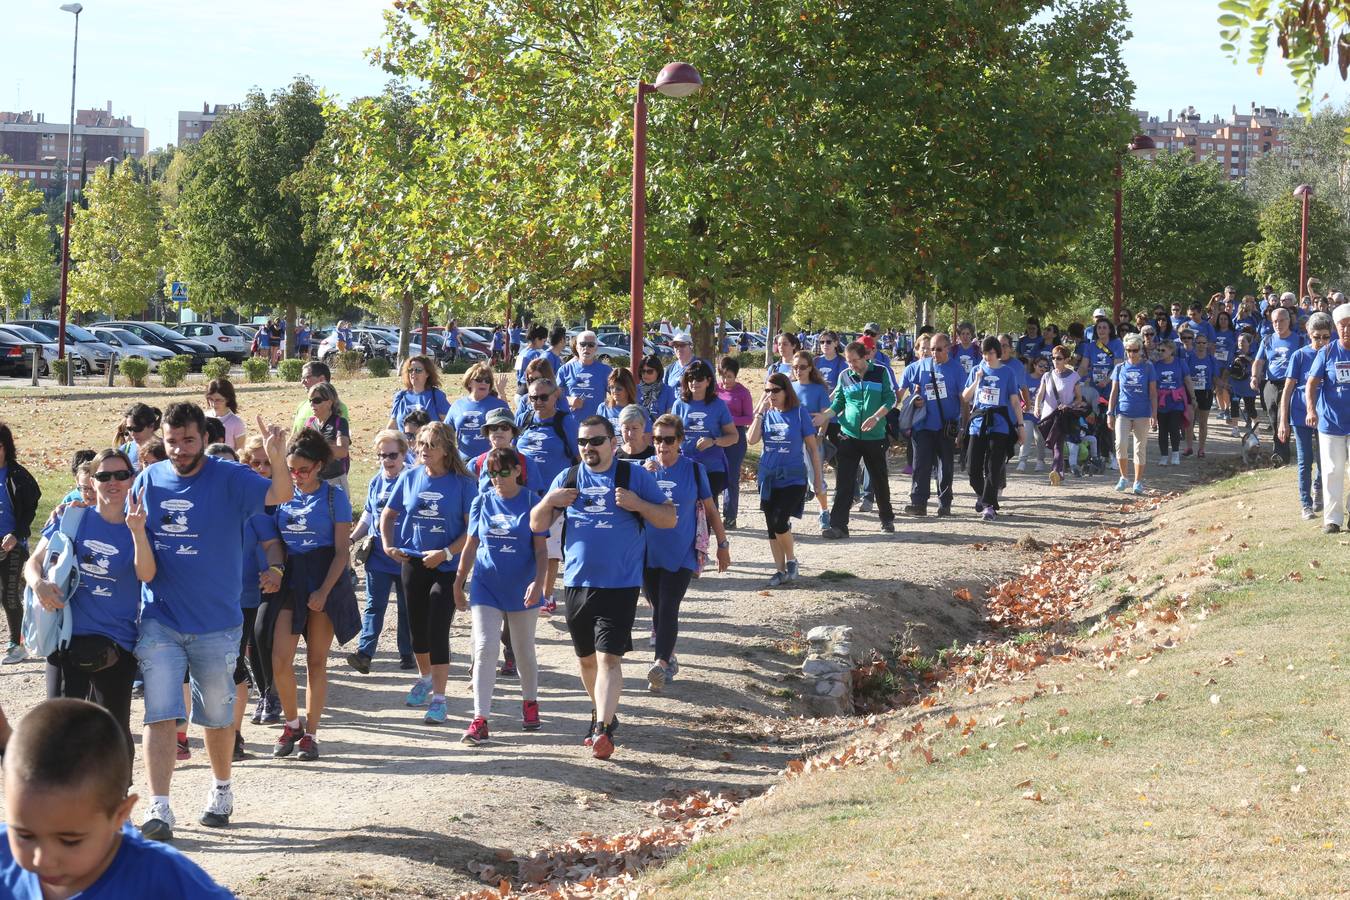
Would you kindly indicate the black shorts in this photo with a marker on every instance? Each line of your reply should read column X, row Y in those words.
column 601, row 619
column 1204, row 400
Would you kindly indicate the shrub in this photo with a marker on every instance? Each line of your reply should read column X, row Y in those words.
column 59, row 367
column 379, row 367
column 186, row 359
column 135, row 369
column 289, row 369
column 173, row 371
column 256, row 370
column 216, row 368
column 349, row 362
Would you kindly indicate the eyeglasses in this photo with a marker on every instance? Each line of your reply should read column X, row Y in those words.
column 540, row 398
column 825, row 341
column 315, row 401
column 501, row 426
column 586, row 344
column 665, row 439
column 804, row 368
column 501, row 473
column 481, row 381
column 592, row 441
column 773, row 390
column 416, row 370
column 303, row 472
column 119, row 475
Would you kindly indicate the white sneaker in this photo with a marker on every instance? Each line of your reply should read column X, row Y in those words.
column 219, row 807
column 1040, row 466
column 1021, row 465
column 1163, row 460
column 1176, row 457
column 17, row 654
column 1236, row 433
column 158, row 822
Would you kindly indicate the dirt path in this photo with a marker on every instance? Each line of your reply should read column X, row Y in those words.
column 396, row 807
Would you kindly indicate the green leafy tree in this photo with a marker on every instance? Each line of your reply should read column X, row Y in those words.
column 1274, row 257
column 26, row 260
column 238, row 232
column 1183, row 229
column 1315, row 153
column 847, row 303
column 1305, row 32
column 893, row 142
column 115, row 247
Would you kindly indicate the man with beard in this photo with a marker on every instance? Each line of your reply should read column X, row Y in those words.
column 190, row 616
column 605, row 503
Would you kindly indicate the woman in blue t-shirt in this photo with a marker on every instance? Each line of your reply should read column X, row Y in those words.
column 1327, row 397
column 317, row 600
column 1224, row 349
column 708, row 426
column 421, row 390
column 1175, row 394
column 509, row 564
column 677, row 556
column 788, row 434
column 467, row 413
column 382, row 573
column 619, row 392
column 1205, row 370
column 993, row 394
column 114, row 558
column 424, row 527
column 1294, row 414
column 813, row 393
column 787, row 345
column 1132, row 409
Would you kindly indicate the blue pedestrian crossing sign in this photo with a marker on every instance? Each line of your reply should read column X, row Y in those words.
column 179, row 292
column 27, row 298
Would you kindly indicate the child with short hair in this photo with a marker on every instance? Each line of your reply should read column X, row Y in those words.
column 66, row 809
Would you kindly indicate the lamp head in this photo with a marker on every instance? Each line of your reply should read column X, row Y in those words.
column 72, row 8
column 1303, row 190
column 678, row 79
column 1142, row 142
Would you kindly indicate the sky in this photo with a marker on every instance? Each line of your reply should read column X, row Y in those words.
column 152, row 58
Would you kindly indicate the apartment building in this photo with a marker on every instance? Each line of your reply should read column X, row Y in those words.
column 35, row 147
column 1236, row 142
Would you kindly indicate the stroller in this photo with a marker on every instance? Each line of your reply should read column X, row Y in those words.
column 1096, row 433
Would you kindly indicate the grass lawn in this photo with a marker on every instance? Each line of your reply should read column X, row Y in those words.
column 1217, row 766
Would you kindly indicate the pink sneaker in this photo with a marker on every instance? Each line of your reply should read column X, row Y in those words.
column 476, row 733
column 529, row 715
column 548, row 607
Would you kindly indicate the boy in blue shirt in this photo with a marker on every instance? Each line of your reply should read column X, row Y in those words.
column 66, row 807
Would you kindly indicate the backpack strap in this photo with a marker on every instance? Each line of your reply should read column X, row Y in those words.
column 70, row 521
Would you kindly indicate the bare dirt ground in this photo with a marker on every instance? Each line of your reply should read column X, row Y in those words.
column 396, row 807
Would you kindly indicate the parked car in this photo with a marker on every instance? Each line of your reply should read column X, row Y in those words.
column 33, row 336
column 369, row 342
column 88, row 352
column 163, row 336
column 15, row 357
column 225, row 339
column 129, row 344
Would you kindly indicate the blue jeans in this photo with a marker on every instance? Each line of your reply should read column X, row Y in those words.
column 735, row 456
column 377, row 601
column 1308, row 488
column 165, row 654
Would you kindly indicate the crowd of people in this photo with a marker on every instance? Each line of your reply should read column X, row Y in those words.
column 206, row 553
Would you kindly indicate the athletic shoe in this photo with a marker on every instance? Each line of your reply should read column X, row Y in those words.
column 888, row 527
column 910, row 509
column 420, row 695
column 508, row 668
column 1077, row 471
column 240, row 754
column 792, row 572
column 656, row 678
column 529, row 715
column 407, row 663
column 944, row 511
column 17, row 653
column 272, row 713
column 1040, row 465
column 729, row 523
column 590, row 733
column 549, row 606
column 183, row 751
column 979, row 506
column 989, row 514
column 602, row 744
column 1308, row 513
column 1188, row 452
column 1176, row 458
column 824, row 519
column 833, row 534
column 778, row 578
column 1236, row 432
column 1331, row 528
column 1139, row 488
column 673, row 669
column 158, row 822
column 866, row 505
column 360, row 662
column 435, row 712
column 259, row 710
column 476, row 733
column 1123, row 484
column 1021, row 465
column 287, row 740
column 1163, row 460
column 219, row 807
column 307, row 748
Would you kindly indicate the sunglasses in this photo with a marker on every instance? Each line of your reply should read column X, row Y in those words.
column 649, row 372
column 394, row 455
column 801, row 368
column 315, row 401
column 481, row 381
column 539, row 398
column 586, row 344
column 501, row 473
column 119, row 475
column 773, row 390
column 502, row 426
column 416, row 370
column 665, row 439
column 592, row 441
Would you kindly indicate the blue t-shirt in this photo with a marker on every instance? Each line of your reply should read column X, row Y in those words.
column 433, row 512
column 538, row 442
column 994, row 388
column 377, row 495
column 504, row 565
column 7, row 520
column 1029, row 346
column 466, row 417
column 303, row 520
column 605, row 546
column 1276, row 351
column 656, row 401
column 783, row 434
column 1204, row 372
column 433, row 400
column 133, row 452
column 195, row 526
column 829, row 369
column 814, row 397
column 704, row 419
column 675, row 371
column 108, row 598
column 779, row 368
column 257, row 530
column 612, row 413
column 1171, row 376
column 1225, row 347
column 949, row 379
column 1332, row 365
column 528, row 356
column 149, row 870
column 968, row 357
column 1134, row 379
column 1300, row 365
column 686, row 485
column 1199, row 328
column 589, row 383
column 1102, row 359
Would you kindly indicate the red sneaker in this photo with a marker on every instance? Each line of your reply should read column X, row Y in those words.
column 476, row 733
column 529, row 716
column 183, row 751
column 602, row 745
column 288, row 739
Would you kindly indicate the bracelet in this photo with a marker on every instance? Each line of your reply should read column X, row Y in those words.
column 278, row 569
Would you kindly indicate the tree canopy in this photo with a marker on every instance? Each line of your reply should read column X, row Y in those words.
column 1305, row 32
column 115, row 247
column 1274, row 257
column 26, row 259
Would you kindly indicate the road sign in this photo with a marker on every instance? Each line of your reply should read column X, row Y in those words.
column 27, row 298
column 179, row 292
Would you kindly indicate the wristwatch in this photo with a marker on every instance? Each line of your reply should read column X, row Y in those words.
column 724, row 545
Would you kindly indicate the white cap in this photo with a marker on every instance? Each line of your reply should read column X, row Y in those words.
column 1100, row 313
column 872, row 327
column 1341, row 312
column 1287, row 295
column 681, row 337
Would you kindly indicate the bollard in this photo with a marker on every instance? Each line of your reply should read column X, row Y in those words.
column 112, row 371
column 37, row 354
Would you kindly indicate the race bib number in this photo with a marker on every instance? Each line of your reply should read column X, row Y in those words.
column 929, row 393
column 1221, row 355
column 1343, row 373
column 1101, row 374
column 987, row 396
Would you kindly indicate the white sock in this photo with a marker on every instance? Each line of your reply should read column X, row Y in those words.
column 158, row 799
column 294, row 724
column 438, row 697
column 223, row 784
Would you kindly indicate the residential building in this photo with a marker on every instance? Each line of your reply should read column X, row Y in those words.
column 36, row 148
column 192, row 124
column 1236, row 142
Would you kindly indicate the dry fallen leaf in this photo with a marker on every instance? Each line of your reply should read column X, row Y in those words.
column 1023, row 784
column 962, row 594
column 1032, row 795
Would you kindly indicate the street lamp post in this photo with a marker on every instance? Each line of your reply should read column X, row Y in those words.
column 678, row 79
column 65, row 231
column 1140, row 142
column 1304, row 191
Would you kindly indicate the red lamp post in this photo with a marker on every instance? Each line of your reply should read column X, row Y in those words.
column 1304, row 191
column 75, row 9
column 678, row 79
column 1140, row 142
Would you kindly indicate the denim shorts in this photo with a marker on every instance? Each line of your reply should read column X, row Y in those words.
column 209, row 658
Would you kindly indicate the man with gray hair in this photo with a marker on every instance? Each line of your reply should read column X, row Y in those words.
column 584, row 379
column 1327, row 398
column 1272, row 363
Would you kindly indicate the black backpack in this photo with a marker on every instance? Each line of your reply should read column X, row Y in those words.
column 568, row 450
column 622, row 478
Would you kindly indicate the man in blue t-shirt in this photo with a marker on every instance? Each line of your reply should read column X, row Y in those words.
column 1272, row 363
column 937, row 382
column 604, row 545
column 196, row 508
column 584, row 379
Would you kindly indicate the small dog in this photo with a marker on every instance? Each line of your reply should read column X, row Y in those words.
column 1250, row 444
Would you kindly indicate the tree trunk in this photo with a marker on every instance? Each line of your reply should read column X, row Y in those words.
column 702, row 301
column 290, row 331
column 405, row 311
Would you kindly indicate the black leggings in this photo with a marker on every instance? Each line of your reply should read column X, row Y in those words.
column 110, row 689
column 1169, row 429
column 988, row 457
column 665, row 590
column 430, row 597
column 248, row 650
column 11, row 590
column 781, row 507
column 264, row 623
column 717, row 483
column 1238, row 404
